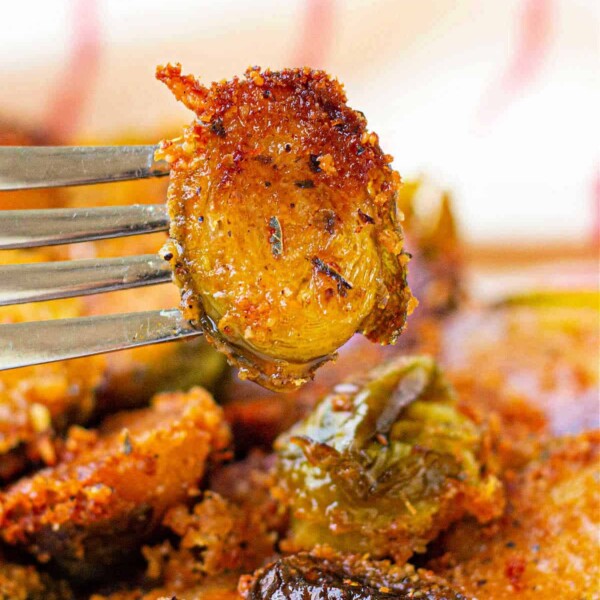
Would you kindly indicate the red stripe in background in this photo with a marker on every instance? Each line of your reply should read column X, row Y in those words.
column 316, row 35
column 533, row 39
column 75, row 84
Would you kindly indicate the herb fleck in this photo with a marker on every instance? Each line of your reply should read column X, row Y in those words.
column 305, row 184
column 276, row 236
column 342, row 285
column 365, row 218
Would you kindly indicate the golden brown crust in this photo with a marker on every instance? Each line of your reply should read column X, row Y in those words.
column 215, row 536
column 546, row 544
column 523, row 373
column 549, row 358
column 284, row 227
column 230, row 530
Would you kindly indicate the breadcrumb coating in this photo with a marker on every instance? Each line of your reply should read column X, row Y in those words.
column 546, row 544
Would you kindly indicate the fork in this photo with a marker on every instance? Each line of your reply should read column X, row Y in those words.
column 37, row 342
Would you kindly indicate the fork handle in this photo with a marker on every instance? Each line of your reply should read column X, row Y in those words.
column 26, row 167
column 55, row 226
column 35, row 282
column 38, row 342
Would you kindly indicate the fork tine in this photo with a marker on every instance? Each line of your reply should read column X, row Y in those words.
column 63, row 279
column 24, row 344
column 53, row 226
column 26, row 167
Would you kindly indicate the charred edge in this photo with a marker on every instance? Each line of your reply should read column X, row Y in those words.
column 313, row 163
column 365, row 218
column 217, row 127
column 342, row 285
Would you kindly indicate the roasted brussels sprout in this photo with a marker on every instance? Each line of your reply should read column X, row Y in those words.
column 326, row 575
column 285, row 235
column 434, row 243
column 384, row 463
column 112, row 488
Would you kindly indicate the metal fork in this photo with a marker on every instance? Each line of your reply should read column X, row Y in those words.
column 30, row 343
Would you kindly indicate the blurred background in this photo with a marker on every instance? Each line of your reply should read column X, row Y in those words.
column 497, row 100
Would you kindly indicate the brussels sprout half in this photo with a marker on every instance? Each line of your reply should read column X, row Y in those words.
column 385, row 463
